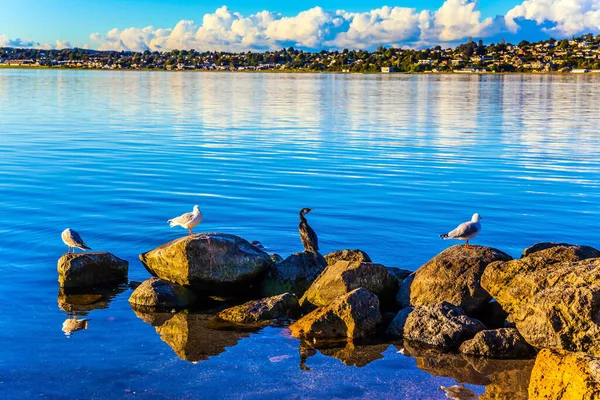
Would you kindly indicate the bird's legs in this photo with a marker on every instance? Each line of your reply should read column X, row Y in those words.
column 190, row 231
column 68, row 249
column 467, row 245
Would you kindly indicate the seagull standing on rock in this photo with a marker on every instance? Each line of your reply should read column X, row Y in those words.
column 466, row 230
column 73, row 240
column 187, row 220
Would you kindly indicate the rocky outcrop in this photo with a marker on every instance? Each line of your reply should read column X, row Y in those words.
column 278, row 307
column 454, row 276
column 347, row 255
column 552, row 295
column 396, row 327
column 345, row 276
column 353, row 315
column 504, row 343
column 399, row 273
column 212, row 262
column 294, row 274
column 440, row 325
column 91, row 268
column 563, row 375
column 155, row 292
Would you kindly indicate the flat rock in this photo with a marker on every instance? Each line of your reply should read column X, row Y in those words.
column 346, row 276
column 91, row 268
column 353, row 315
column 294, row 274
column 347, row 255
column 552, row 295
column 155, row 292
column 504, row 343
column 210, row 262
column 454, row 276
column 562, row 375
column 263, row 310
column 441, row 325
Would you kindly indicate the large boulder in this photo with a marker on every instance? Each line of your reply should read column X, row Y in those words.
column 454, row 276
column 354, row 315
column 396, row 327
column 155, row 292
column 345, row 276
column 498, row 343
column 212, row 262
column 90, row 269
column 563, row 375
column 264, row 310
column 294, row 274
column 552, row 295
column 403, row 294
column 441, row 325
column 347, row 255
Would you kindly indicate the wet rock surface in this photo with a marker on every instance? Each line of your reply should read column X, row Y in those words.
column 454, row 276
column 354, row 315
column 345, row 276
column 294, row 274
column 155, row 292
column 440, row 325
column 90, row 269
column 209, row 262
column 504, row 343
column 560, row 374
column 347, row 255
column 552, row 296
column 264, row 310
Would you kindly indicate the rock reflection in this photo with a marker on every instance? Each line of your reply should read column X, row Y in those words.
column 73, row 325
column 350, row 353
column 192, row 336
column 503, row 379
column 81, row 301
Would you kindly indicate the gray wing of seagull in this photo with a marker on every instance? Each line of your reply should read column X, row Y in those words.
column 183, row 219
column 74, row 239
column 464, row 229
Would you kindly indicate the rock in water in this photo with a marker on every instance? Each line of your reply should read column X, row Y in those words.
column 454, row 276
column 552, row 295
column 263, row 310
column 347, row 255
column 293, row 275
column 396, row 328
column 498, row 343
column 345, row 276
column 89, row 269
column 214, row 266
column 563, row 375
column 441, row 325
column 354, row 315
column 155, row 292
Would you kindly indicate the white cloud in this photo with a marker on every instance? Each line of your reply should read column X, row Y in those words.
column 566, row 17
column 6, row 42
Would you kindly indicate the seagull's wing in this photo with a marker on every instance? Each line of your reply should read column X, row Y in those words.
column 75, row 238
column 182, row 219
column 464, row 229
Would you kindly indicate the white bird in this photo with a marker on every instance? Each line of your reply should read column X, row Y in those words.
column 466, row 230
column 73, row 240
column 187, row 220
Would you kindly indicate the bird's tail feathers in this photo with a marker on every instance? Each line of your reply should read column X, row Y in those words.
column 86, row 247
column 171, row 223
column 444, row 236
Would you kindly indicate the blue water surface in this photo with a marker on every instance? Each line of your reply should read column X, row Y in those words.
column 388, row 162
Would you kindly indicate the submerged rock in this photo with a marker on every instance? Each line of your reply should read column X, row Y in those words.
column 155, row 292
column 91, row 268
column 347, row 255
column 562, row 375
column 211, row 262
column 354, row 315
column 552, row 295
column 293, row 275
column 454, row 276
column 345, row 276
column 498, row 343
column 440, row 325
column 256, row 311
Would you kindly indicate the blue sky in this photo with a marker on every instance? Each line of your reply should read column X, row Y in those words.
column 73, row 22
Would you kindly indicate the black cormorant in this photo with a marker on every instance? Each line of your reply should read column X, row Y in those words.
column 307, row 234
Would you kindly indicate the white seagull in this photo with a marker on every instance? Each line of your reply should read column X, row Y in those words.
column 73, row 240
column 187, row 220
column 466, row 230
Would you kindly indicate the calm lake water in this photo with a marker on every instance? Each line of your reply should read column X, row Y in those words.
column 388, row 163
